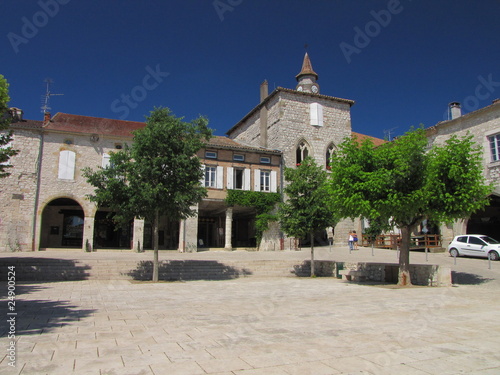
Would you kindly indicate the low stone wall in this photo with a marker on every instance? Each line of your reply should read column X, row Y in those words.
column 421, row 274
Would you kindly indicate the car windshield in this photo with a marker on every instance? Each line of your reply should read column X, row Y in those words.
column 489, row 240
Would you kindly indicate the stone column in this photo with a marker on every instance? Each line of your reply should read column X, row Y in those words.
column 138, row 235
column 188, row 234
column 229, row 228
column 88, row 234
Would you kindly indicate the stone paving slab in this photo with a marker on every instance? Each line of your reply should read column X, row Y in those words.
column 252, row 326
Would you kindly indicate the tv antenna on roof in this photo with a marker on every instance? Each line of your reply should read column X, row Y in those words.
column 388, row 132
column 45, row 98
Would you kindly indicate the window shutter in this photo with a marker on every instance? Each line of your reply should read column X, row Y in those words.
column 316, row 114
column 274, row 181
column 256, row 180
column 66, row 165
column 220, row 178
column 203, row 179
column 105, row 160
column 246, row 179
column 230, row 178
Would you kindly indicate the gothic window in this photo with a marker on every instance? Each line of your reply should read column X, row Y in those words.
column 329, row 153
column 302, row 152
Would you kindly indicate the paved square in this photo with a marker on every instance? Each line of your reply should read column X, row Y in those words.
column 251, row 326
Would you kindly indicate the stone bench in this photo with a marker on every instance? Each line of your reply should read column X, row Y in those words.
column 353, row 275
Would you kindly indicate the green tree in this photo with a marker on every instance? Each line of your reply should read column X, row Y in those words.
column 402, row 183
column 158, row 174
column 6, row 152
column 306, row 208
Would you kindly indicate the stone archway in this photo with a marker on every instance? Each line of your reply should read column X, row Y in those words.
column 62, row 224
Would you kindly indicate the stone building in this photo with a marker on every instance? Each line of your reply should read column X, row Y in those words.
column 484, row 126
column 44, row 200
column 300, row 122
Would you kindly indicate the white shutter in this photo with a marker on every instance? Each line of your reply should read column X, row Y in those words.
column 246, row 179
column 256, row 180
column 202, row 180
column 66, row 165
column 274, row 181
column 105, row 160
column 230, row 178
column 316, row 114
column 220, row 177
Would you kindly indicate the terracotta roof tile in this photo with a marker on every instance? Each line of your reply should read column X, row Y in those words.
column 89, row 125
column 361, row 137
column 28, row 124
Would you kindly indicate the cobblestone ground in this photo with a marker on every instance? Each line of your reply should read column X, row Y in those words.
column 256, row 326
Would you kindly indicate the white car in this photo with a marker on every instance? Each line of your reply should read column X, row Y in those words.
column 476, row 245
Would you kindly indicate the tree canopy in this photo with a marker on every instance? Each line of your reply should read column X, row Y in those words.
column 158, row 174
column 6, row 151
column 403, row 182
column 306, row 208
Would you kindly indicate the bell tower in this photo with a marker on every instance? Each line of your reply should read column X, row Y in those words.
column 307, row 77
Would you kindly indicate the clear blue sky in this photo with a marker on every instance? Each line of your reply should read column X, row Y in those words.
column 209, row 57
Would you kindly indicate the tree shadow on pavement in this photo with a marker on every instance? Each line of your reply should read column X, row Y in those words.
column 42, row 269
column 465, row 278
column 34, row 317
column 176, row 270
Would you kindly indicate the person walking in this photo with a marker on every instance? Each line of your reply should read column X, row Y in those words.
column 351, row 241
column 354, row 240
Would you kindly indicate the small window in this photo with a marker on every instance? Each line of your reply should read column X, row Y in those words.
column 118, row 146
column 238, row 157
column 210, row 177
column 239, row 175
column 211, row 154
column 265, row 160
column 68, row 141
column 265, row 181
column 495, row 147
column 462, row 239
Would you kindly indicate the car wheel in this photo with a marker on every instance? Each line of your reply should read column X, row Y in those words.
column 493, row 255
column 454, row 252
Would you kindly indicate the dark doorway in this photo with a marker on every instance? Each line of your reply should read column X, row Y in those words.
column 108, row 235
column 486, row 221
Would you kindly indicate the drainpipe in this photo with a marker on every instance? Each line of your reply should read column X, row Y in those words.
column 37, row 190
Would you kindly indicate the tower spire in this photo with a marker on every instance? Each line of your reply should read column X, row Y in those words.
column 307, row 77
column 307, row 68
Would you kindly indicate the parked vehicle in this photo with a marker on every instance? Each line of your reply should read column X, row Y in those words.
column 476, row 245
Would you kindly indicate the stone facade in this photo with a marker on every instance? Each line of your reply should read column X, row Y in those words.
column 18, row 192
column 481, row 125
column 300, row 119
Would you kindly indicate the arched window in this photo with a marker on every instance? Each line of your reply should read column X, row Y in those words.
column 329, row 153
column 302, row 152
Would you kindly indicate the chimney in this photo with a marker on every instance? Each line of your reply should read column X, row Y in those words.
column 264, row 90
column 46, row 116
column 16, row 114
column 455, row 110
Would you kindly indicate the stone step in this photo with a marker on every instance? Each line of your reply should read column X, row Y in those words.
column 40, row 269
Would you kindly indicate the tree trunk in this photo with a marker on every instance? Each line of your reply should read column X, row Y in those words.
column 155, row 247
column 404, row 257
column 313, row 272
